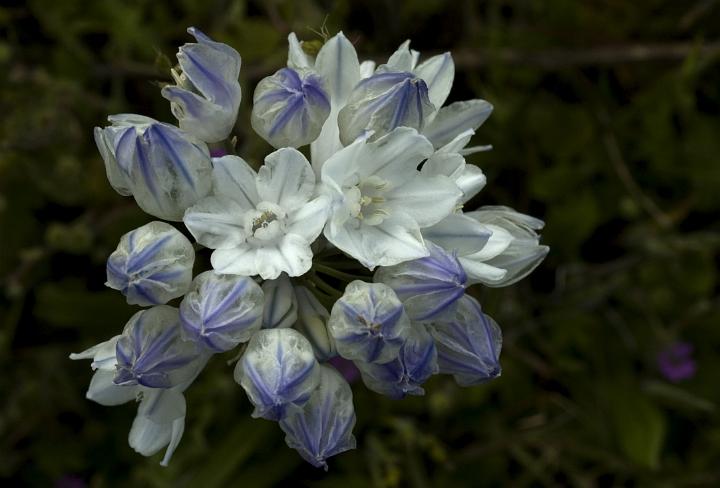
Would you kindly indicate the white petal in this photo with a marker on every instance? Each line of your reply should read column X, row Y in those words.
column 471, row 181
column 394, row 156
column 234, row 178
column 367, row 68
column 310, row 219
column 160, row 422
column 239, row 260
column 281, row 304
column 458, row 143
column 427, row 199
column 102, row 390
column 455, row 119
column 296, row 56
column 292, row 256
column 459, row 233
column 103, row 355
column 438, row 73
column 499, row 241
column 338, row 63
column 286, row 178
column 400, row 60
column 216, row 222
column 342, row 165
column 445, row 164
column 479, row 272
column 395, row 240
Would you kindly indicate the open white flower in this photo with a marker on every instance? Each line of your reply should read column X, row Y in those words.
column 381, row 200
column 260, row 224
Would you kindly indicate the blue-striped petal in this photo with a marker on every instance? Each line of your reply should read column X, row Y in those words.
column 428, row 286
column 403, row 376
column 278, row 372
column 323, row 428
column 151, row 265
column 207, row 96
column 312, row 323
column 281, row 305
column 151, row 352
column 468, row 344
column 368, row 323
column 221, row 311
column 290, row 108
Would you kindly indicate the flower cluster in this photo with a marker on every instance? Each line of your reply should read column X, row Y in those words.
column 294, row 242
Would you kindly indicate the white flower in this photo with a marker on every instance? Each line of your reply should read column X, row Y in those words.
column 381, row 200
column 260, row 224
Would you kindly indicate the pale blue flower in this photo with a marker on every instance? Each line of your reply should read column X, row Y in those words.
column 428, row 286
column 164, row 168
column 416, row 362
column 278, row 372
column 206, row 97
column 151, row 352
column 290, row 108
column 221, row 311
column 468, row 344
column 368, row 323
column 281, row 304
column 151, row 265
column 260, row 224
column 380, row 200
column 323, row 428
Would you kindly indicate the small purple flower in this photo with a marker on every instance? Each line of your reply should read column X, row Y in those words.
column 150, row 352
column 151, row 265
column 676, row 363
column 221, row 311
column 323, row 428
column 368, row 323
column 468, row 344
column 427, row 286
column 403, row 376
column 278, row 372
column 290, row 108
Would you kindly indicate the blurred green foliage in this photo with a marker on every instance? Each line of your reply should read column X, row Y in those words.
column 606, row 125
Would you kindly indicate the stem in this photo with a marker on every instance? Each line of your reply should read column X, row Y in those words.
column 323, row 286
column 338, row 274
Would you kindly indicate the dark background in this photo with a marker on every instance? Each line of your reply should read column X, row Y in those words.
column 605, row 125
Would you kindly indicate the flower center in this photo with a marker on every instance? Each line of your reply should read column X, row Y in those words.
column 266, row 222
column 368, row 201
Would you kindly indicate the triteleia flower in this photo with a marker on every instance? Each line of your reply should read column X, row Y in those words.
column 151, row 265
column 313, row 324
column 428, row 286
column 150, row 351
column 416, row 362
column 260, row 224
column 221, row 311
column 468, row 344
column 163, row 167
column 278, row 372
column 368, row 323
column 281, row 305
column 290, row 108
column 511, row 253
column 206, row 96
column 380, row 199
column 323, row 428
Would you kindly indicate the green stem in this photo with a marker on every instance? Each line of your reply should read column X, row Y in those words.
column 338, row 274
column 323, row 286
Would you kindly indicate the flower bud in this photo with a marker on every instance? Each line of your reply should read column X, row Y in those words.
column 427, row 286
column 312, row 323
column 403, row 376
column 206, row 97
column 468, row 344
column 150, row 352
column 151, row 265
column 221, row 311
column 278, row 372
column 281, row 305
column 290, row 108
column 383, row 102
column 323, row 428
column 368, row 323
column 160, row 165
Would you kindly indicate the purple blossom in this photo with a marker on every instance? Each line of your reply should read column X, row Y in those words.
column 676, row 363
